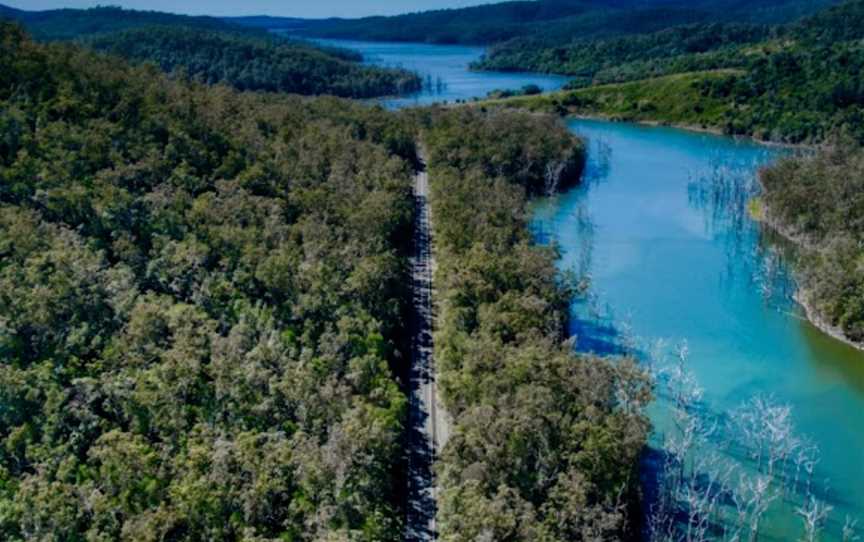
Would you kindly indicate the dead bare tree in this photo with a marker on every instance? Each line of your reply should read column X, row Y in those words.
column 760, row 496
column 850, row 530
column 813, row 513
column 696, row 499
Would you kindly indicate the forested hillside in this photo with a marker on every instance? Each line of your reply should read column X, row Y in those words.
column 632, row 57
column 67, row 24
column 202, row 297
column 545, row 442
column 564, row 47
column 802, row 83
column 214, row 51
column 253, row 62
column 200, row 302
column 556, row 22
column 816, row 201
column 673, row 49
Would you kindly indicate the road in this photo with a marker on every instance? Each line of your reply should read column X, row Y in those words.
column 428, row 421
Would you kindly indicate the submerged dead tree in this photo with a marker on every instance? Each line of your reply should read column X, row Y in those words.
column 719, row 476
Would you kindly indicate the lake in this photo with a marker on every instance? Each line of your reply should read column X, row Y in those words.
column 444, row 69
column 661, row 228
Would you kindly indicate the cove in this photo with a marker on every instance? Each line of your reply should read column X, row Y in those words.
column 671, row 259
column 445, row 71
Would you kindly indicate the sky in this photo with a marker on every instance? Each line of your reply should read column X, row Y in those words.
column 284, row 8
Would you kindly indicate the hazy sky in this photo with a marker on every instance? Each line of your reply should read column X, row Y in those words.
column 286, row 8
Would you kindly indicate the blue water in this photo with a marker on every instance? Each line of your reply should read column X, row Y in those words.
column 444, row 69
column 661, row 229
column 672, row 256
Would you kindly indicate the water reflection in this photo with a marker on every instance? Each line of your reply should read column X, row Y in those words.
column 724, row 195
column 663, row 231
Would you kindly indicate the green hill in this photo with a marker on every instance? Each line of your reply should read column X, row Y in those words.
column 67, row 24
column 201, row 293
column 215, row 51
column 253, row 62
column 556, row 20
column 798, row 83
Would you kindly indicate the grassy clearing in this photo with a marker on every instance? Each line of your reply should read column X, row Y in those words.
column 674, row 99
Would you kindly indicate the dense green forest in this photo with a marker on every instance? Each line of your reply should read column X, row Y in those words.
column 545, row 441
column 555, row 22
column 202, row 306
column 214, row 51
column 201, row 298
column 253, row 62
column 617, row 59
column 817, row 201
column 68, row 24
column 803, row 84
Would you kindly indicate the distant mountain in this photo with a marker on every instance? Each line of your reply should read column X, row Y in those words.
column 269, row 23
column 560, row 19
column 66, row 24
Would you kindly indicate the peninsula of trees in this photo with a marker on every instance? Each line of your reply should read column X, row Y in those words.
column 545, row 442
column 256, row 62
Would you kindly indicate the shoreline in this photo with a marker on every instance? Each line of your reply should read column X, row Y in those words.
column 711, row 130
column 802, row 294
column 816, row 320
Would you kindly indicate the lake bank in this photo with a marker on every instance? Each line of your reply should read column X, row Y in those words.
column 803, row 295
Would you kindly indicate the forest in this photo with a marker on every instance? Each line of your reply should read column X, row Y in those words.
column 68, row 24
column 802, row 84
column 256, row 63
column 554, row 21
column 545, row 441
column 201, row 300
column 213, row 51
column 203, row 297
column 816, row 201
column 608, row 60
column 205, row 286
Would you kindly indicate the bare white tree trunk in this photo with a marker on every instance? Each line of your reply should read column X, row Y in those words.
column 813, row 513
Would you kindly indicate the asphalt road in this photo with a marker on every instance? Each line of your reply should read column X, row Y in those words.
column 428, row 422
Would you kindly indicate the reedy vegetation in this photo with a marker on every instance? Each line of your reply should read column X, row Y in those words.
column 545, row 441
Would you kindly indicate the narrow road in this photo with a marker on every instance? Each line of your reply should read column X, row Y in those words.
column 428, row 422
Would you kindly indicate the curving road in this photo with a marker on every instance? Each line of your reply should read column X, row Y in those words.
column 428, row 426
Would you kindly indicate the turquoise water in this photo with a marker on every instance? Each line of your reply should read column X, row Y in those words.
column 444, row 69
column 671, row 256
column 661, row 229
